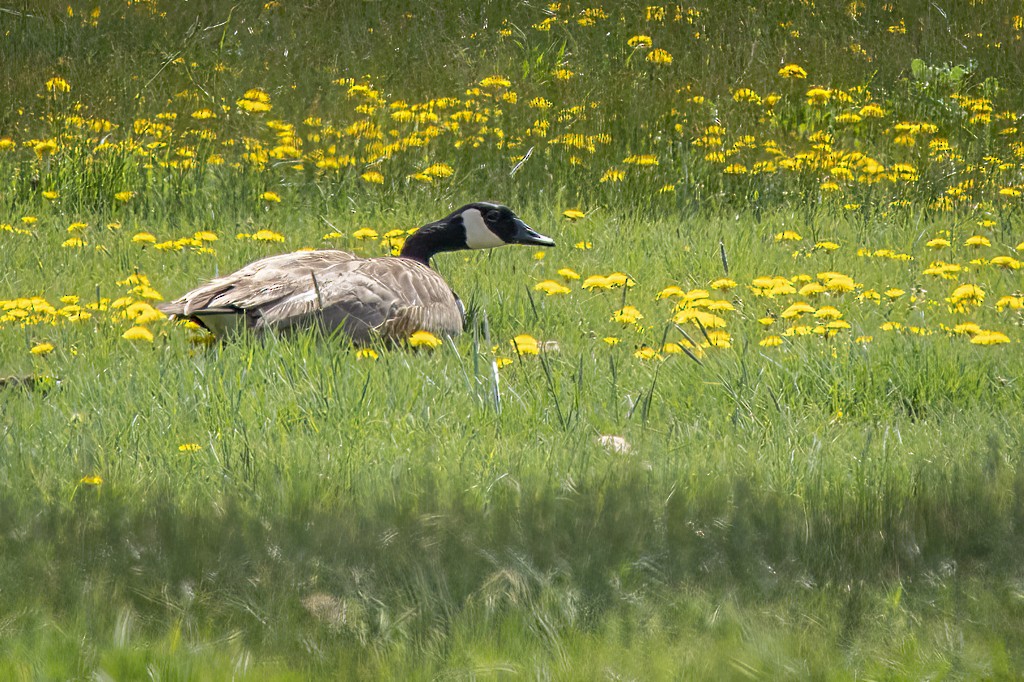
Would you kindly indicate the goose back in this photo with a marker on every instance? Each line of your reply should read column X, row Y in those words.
column 364, row 297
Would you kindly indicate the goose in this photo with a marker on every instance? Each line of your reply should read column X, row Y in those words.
column 363, row 298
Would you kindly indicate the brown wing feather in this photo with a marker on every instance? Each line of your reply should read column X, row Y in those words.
column 262, row 282
column 389, row 297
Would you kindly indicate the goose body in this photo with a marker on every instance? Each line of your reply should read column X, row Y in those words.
column 364, row 298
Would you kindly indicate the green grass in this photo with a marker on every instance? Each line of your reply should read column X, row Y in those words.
column 829, row 508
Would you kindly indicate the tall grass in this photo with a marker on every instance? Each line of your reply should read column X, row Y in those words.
column 837, row 506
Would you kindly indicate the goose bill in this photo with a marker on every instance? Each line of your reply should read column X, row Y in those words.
column 525, row 234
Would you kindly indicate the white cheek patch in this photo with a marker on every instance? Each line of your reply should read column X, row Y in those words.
column 478, row 235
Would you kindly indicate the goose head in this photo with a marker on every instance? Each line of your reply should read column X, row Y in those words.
column 480, row 225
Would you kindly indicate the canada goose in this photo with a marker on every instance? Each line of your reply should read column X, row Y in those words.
column 366, row 298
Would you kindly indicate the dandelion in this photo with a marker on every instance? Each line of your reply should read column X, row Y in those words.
column 373, row 177
column 989, row 338
column 138, row 333
column 788, row 236
column 93, row 479
column 659, row 56
column 770, row 341
column 73, row 243
column 611, row 340
column 495, row 81
column 189, row 447
column 574, row 214
column 586, row 246
column 640, row 41
column 620, row 279
column 57, row 84
column 44, row 348
column 366, row 354
column 627, row 315
column 524, row 344
column 796, row 310
column 551, row 287
column 719, row 339
column 818, row 96
column 670, row 291
column 143, row 238
column 937, row 243
column 977, row 240
column 424, row 338
column 271, row 197
column 267, row 236
column 568, row 274
column 646, row 353
column 51, row 195
column 792, row 71
column 613, row 175
column 723, row 284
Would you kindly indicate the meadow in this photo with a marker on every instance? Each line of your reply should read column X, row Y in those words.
column 757, row 415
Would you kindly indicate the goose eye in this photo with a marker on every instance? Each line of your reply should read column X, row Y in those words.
column 493, row 216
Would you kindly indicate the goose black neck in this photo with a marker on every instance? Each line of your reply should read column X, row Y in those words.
column 432, row 238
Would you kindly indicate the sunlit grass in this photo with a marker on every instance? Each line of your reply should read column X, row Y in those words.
column 757, row 415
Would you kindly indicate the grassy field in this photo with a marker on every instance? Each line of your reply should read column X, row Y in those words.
column 758, row 415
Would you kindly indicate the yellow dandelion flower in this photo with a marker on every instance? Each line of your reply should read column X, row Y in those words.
column 573, row 214
column 827, row 312
column 640, row 41
column 143, row 238
column 719, row 339
column 91, row 480
column 627, row 315
column 366, row 354
column 723, row 284
column 524, row 344
column 659, row 56
column 796, row 310
column 124, row 197
column 373, row 177
column 42, row 348
column 611, row 340
column 586, row 246
column 189, row 447
column 788, row 236
column 990, row 338
column 551, row 287
column 73, row 243
column 977, row 240
column 621, row 279
column 365, row 233
column 267, row 236
column 138, row 334
column 792, row 71
column 646, row 353
column 770, row 341
column 669, row 291
column 937, row 243
column 57, row 84
column 568, row 274
column 818, row 96
column 271, row 197
column 424, row 338
column 613, row 175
